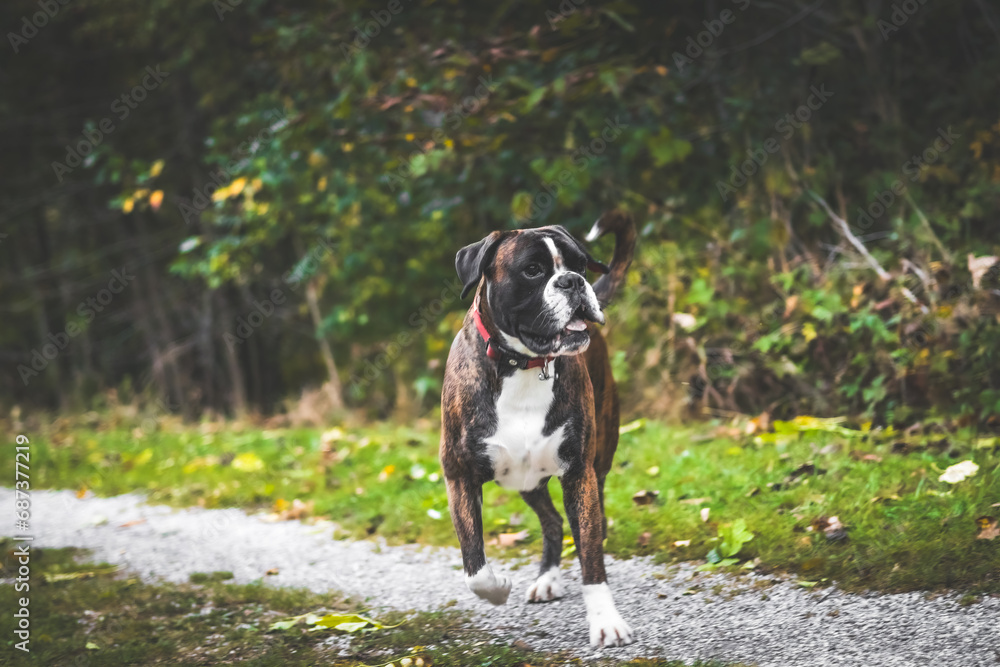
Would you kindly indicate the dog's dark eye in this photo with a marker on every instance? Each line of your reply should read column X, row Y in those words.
column 533, row 270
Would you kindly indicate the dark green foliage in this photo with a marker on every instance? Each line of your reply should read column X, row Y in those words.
column 366, row 147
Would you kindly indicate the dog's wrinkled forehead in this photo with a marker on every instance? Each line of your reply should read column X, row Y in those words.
column 550, row 247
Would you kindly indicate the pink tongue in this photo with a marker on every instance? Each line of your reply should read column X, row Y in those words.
column 576, row 325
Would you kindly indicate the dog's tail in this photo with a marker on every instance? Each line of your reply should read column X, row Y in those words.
column 620, row 224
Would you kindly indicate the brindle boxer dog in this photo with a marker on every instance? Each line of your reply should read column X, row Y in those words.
column 528, row 395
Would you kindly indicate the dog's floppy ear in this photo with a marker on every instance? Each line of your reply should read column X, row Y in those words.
column 592, row 264
column 472, row 260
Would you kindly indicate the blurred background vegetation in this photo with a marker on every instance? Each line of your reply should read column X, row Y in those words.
column 289, row 193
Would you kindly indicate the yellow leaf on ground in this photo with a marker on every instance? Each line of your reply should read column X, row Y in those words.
column 248, row 462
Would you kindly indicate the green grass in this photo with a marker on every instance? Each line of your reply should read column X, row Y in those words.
column 905, row 529
column 112, row 620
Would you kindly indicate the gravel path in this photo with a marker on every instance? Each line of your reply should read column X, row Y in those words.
column 726, row 618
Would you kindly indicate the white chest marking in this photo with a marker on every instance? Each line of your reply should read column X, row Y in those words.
column 521, row 455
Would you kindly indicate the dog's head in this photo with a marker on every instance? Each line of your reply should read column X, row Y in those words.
column 535, row 288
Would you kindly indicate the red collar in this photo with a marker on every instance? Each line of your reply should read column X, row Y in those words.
column 495, row 352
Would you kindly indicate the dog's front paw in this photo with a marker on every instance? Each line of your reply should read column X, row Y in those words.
column 549, row 586
column 495, row 589
column 607, row 627
column 610, row 630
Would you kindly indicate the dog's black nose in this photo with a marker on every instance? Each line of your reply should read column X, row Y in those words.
column 569, row 281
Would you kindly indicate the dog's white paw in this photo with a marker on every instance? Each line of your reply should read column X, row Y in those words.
column 610, row 630
column 607, row 627
column 547, row 587
column 492, row 588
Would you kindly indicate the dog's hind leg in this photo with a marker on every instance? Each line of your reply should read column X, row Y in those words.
column 548, row 585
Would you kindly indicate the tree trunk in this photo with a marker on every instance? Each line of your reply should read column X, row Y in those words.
column 332, row 386
column 239, row 396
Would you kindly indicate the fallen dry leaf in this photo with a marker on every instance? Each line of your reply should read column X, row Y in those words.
column 959, row 472
column 704, row 513
column 297, row 510
column 644, row 539
column 136, row 522
column 759, row 424
column 830, row 526
column 790, row 303
column 685, row 321
column 694, row 501
column 682, row 543
column 988, row 528
column 506, row 540
column 978, row 266
column 644, row 497
column 272, row 571
column 53, row 577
